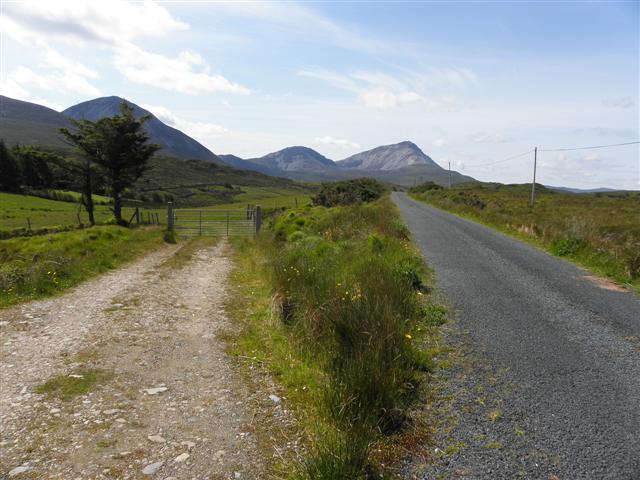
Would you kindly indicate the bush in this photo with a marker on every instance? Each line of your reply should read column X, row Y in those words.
column 425, row 187
column 348, row 192
column 566, row 246
column 346, row 283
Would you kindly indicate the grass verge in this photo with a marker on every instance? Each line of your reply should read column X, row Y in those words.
column 598, row 231
column 35, row 267
column 334, row 306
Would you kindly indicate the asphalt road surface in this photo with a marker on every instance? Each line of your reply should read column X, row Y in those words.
column 567, row 347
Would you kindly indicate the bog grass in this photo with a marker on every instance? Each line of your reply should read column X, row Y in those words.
column 334, row 305
column 35, row 267
column 600, row 231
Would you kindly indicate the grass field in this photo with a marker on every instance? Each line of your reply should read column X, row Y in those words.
column 34, row 267
column 334, row 307
column 600, row 231
column 16, row 211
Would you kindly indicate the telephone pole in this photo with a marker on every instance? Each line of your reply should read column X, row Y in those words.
column 533, row 185
column 449, row 174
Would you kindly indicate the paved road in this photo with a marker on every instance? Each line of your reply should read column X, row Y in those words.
column 570, row 349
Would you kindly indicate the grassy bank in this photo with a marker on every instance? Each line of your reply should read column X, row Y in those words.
column 35, row 267
column 334, row 306
column 599, row 231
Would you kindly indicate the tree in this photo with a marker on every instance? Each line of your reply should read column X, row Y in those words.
column 124, row 152
column 9, row 171
column 36, row 172
column 84, row 139
column 119, row 146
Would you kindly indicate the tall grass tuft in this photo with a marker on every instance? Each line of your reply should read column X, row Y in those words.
column 348, row 283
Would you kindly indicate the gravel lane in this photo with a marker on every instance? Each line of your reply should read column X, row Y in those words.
column 175, row 405
column 548, row 380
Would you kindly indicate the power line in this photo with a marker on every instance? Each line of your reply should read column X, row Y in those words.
column 503, row 160
column 586, row 148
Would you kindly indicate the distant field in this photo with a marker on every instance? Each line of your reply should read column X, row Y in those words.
column 600, row 231
column 16, row 209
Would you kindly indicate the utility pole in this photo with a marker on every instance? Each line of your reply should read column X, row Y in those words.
column 449, row 174
column 533, row 185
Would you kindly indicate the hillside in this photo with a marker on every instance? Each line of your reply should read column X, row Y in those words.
column 173, row 141
column 388, row 157
column 403, row 163
column 28, row 123
column 295, row 159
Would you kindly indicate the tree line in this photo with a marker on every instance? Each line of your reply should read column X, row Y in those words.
column 112, row 153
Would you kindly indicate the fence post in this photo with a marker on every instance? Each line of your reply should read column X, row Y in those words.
column 170, row 216
column 200, row 222
column 258, row 218
column 227, row 224
column 137, row 216
column 29, row 223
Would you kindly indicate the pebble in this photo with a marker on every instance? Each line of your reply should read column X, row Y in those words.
column 155, row 390
column 188, row 444
column 19, row 470
column 54, row 411
column 111, row 412
column 181, row 458
column 156, row 438
column 152, row 468
column 275, row 399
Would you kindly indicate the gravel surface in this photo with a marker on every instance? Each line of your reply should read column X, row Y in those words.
column 173, row 406
column 545, row 381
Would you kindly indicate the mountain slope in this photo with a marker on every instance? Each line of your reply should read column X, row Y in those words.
column 172, row 140
column 295, row 159
column 388, row 157
column 28, row 123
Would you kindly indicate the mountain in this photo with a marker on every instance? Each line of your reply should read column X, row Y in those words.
column 242, row 164
column 295, row 159
column 28, row 123
column 388, row 157
column 402, row 163
column 173, row 141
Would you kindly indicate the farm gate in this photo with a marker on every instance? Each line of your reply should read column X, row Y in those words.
column 213, row 222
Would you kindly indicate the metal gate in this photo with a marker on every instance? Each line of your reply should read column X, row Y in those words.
column 216, row 223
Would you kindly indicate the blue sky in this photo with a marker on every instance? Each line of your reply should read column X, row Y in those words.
column 470, row 82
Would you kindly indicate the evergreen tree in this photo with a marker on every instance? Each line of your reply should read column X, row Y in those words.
column 9, row 171
column 119, row 146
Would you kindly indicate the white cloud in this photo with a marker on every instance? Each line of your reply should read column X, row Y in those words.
column 439, row 142
column 340, row 142
column 379, row 90
column 113, row 22
column 619, row 102
column 60, row 81
column 296, row 19
column 484, row 137
column 174, row 74
column 206, row 133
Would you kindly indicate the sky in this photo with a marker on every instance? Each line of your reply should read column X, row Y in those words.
column 472, row 83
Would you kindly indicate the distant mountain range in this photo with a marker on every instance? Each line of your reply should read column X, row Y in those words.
column 402, row 163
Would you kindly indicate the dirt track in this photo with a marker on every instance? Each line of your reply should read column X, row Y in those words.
column 172, row 404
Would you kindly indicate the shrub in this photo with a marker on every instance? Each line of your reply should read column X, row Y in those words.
column 567, row 246
column 425, row 187
column 348, row 192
